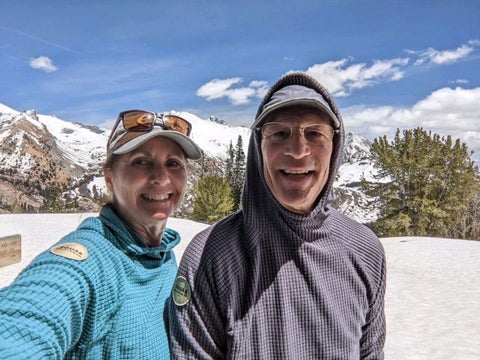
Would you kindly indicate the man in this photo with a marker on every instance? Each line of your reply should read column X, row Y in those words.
column 287, row 277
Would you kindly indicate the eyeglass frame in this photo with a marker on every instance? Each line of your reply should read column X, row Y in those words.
column 301, row 128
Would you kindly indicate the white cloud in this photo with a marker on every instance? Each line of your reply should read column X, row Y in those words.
column 447, row 111
column 341, row 79
column 261, row 88
column 240, row 96
column 42, row 63
column 218, row 88
column 442, row 57
column 460, row 81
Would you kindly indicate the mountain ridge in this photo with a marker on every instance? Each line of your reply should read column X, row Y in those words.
column 42, row 154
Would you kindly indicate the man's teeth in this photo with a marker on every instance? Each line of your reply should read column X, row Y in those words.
column 296, row 172
column 155, row 197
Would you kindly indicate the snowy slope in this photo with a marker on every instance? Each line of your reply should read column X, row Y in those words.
column 82, row 145
column 433, row 288
column 214, row 138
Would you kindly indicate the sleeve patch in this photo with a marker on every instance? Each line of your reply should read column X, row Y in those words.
column 73, row 251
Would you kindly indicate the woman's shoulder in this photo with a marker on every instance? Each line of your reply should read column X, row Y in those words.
column 83, row 257
column 91, row 234
column 84, row 248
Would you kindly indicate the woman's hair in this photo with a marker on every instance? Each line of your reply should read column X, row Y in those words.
column 111, row 159
column 109, row 162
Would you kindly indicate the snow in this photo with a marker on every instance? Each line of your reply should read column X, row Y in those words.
column 79, row 143
column 433, row 298
column 100, row 186
column 433, row 286
column 4, row 109
column 350, row 173
column 215, row 138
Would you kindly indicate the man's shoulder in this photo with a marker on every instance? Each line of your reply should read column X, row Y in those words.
column 354, row 234
column 213, row 256
column 218, row 237
column 363, row 246
column 215, row 244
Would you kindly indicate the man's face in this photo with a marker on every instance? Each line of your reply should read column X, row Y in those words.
column 295, row 169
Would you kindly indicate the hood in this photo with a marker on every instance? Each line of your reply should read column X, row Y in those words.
column 257, row 200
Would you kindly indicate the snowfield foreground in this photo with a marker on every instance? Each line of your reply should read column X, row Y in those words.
column 433, row 285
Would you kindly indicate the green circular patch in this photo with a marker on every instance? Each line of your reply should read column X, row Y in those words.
column 181, row 292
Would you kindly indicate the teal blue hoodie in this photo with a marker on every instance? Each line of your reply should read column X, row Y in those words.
column 107, row 306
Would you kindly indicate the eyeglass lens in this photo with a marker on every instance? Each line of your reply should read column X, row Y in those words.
column 138, row 120
column 176, row 123
column 317, row 134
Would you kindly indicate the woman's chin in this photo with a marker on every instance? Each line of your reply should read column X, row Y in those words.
column 162, row 214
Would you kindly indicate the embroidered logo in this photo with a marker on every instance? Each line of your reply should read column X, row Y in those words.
column 181, row 292
column 72, row 251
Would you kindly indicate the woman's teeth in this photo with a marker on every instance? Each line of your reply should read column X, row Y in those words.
column 155, row 197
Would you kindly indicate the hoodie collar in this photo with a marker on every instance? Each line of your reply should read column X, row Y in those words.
column 130, row 242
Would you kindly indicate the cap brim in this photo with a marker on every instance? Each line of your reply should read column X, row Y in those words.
column 312, row 102
column 191, row 150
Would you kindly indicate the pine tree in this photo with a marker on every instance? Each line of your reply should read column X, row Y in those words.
column 212, row 199
column 229, row 163
column 427, row 185
column 54, row 202
column 238, row 177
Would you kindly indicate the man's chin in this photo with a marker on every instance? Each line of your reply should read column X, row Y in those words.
column 296, row 204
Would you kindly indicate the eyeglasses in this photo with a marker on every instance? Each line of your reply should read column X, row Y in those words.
column 316, row 134
column 144, row 121
column 141, row 121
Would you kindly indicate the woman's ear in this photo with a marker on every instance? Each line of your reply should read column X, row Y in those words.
column 107, row 174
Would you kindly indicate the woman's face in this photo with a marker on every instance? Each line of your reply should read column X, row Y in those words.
column 148, row 183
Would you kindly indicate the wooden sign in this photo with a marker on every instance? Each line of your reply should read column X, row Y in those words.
column 10, row 250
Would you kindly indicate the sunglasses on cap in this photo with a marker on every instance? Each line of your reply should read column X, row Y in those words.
column 278, row 133
column 138, row 122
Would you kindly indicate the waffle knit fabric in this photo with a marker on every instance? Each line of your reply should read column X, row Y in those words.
column 109, row 306
column 267, row 283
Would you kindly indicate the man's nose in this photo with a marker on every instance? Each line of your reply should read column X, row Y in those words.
column 297, row 146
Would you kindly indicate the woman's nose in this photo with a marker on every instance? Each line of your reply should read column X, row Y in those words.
column 159, row 175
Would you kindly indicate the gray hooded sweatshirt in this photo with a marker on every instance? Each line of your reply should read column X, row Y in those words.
column 267, row 283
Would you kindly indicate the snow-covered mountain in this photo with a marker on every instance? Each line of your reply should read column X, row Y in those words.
column 348, row 195
column 42, row 153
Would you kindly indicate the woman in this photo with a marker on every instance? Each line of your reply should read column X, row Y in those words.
column 100, row 292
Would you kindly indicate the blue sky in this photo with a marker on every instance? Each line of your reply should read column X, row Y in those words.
column 389, row 64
